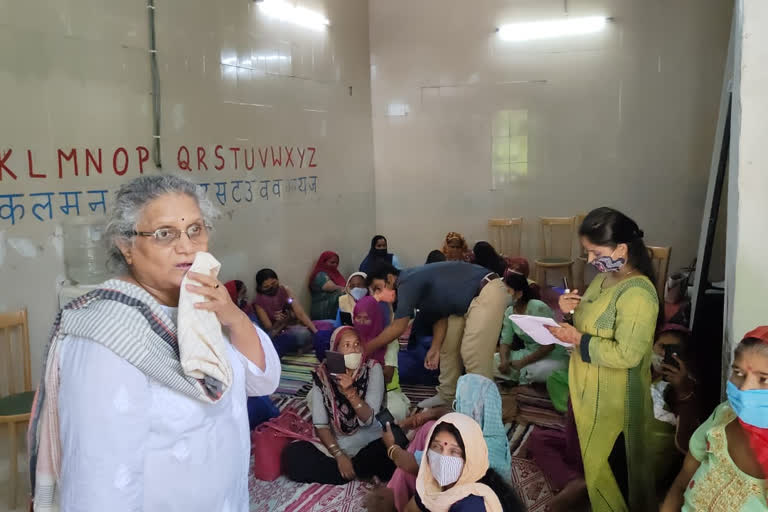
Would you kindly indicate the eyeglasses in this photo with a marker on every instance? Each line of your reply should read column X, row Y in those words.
column 166, row 236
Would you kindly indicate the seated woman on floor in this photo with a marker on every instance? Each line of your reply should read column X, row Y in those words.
column 455, row 248
column 454, row 474
column 727, row 461
column 238, row 292
column 326, row 284
column 369, row 322
column 343, row 408
column 355, row 290
column 476, row 397
column 281, row 315
column 534, row 362
column 378, row 253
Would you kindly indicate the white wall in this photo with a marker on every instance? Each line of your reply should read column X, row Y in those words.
column 747, row 210
column 76, row 75
column 624, row 117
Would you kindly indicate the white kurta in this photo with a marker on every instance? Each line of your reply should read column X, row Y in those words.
column 129, row 443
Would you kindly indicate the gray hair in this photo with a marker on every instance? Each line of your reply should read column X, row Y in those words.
column 130, row 200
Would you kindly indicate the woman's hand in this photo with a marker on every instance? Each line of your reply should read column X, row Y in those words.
column 346, row 468
column 677, row 377
column 387, row 437
column 217, row 298
column 280, row 316
column 517, row 364
column 569, row 301
column 504, row 368
column 345, row 384
column 432, row 359
column 566, row 333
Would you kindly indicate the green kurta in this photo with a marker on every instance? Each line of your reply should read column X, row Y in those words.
column 609, row 379
column 324, row 304
column 540, row 370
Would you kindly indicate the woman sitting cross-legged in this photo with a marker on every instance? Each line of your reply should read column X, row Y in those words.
column 534, row 362
column 281, row 315
column 727, row 461
column 343, row 407
column 454, row 475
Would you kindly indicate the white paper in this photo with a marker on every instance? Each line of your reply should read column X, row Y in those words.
column 534, row 327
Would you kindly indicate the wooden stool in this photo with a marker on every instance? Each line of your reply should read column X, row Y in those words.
column 556, row 248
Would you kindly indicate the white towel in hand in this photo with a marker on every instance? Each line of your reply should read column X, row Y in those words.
column 202, row 347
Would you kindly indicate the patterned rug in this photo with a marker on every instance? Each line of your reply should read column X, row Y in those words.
column 531, row 485
column 284, row 495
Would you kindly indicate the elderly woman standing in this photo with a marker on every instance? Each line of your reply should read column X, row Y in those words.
column 118, row 424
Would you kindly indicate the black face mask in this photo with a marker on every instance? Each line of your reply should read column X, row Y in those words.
column 270, row 291
column 380, row 252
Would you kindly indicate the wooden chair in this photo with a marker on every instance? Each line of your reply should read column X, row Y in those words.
column 506, row 235
column 556, row 247
column 15, row 397
column 660, row 260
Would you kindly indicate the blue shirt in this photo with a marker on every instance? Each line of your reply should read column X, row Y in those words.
column 444, row 289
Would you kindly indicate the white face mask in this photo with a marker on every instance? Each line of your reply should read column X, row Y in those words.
column 446, row 469
column 656, row 361
column 352, row 361
column 358, row 293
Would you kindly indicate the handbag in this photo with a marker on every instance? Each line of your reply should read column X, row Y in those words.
column 270, row 438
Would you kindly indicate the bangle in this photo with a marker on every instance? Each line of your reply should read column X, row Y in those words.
column 391, row 452
column 686, row 397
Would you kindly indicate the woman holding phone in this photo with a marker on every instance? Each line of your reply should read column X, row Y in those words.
column 609, row 372
column 344, row 403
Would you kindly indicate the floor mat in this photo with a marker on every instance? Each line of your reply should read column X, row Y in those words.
column 531, row 485
column 296, row 374
column 287, row 496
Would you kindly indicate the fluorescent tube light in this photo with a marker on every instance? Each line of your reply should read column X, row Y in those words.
column 291, row 13
column 549, row 29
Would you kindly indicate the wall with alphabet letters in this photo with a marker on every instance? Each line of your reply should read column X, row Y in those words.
column 270, row 118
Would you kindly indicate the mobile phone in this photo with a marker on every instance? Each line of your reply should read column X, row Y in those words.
column 385, row 417
column 334, row 361
column 669, row 350
column 346, row 318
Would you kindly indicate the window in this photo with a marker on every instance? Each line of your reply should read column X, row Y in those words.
column 509, row 145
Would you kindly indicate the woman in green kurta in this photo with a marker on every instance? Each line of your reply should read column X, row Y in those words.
column 609, row 372
column 534, row 362
column 326, row 285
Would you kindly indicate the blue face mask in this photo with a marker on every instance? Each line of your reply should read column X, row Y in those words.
column 750, row 406
column 358, row 293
